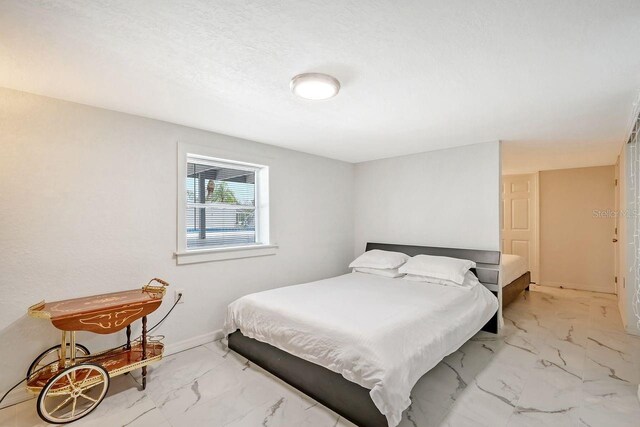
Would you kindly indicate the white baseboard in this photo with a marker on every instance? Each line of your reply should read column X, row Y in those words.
column 20, row 395
column 183, row 345
column 574, row 286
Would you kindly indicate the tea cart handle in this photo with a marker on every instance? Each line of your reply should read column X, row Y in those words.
column 155, row 289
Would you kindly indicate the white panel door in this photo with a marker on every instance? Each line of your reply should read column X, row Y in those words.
column 520, row 218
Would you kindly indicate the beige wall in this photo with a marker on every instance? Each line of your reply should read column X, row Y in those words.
column 575, row 242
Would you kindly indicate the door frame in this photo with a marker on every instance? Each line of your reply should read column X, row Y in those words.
column 536, row 209
column 616, row 233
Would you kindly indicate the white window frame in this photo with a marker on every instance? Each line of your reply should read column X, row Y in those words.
column 213, row 157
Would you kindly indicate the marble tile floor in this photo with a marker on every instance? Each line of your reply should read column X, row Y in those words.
column 561, row 360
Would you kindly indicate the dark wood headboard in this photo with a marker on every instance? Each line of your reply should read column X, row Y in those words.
column 488, row 262
column 475, row 255
column 487, row 265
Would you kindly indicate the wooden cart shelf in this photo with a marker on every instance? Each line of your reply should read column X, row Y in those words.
column 115, row 362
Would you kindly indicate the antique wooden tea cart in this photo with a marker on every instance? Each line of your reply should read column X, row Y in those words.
column 71, row 382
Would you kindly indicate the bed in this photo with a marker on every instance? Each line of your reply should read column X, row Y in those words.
column 516, row 277
column 358, row 343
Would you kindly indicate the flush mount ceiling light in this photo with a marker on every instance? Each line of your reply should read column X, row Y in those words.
column 315, row 86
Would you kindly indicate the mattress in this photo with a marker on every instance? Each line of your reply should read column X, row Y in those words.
column 512, row 267
column 381, row 333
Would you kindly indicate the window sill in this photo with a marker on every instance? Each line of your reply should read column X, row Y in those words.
column 222, row 254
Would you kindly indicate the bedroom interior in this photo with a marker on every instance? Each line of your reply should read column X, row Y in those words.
column 322, row 214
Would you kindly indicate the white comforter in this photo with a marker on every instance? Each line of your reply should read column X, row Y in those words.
column 381, row 333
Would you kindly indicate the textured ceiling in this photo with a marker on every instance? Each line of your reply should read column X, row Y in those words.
column 548, row 77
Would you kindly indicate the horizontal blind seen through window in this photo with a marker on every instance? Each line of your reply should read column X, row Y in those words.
column 221, row 205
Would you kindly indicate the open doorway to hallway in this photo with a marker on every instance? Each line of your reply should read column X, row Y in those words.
column 559, row 225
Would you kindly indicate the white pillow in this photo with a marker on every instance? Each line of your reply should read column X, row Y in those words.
column 470, row 280
column 386, row 272
column 438, row 267
column 379, row 259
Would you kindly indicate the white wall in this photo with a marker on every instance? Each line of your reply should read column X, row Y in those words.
column 445, row 198
column 88, row 205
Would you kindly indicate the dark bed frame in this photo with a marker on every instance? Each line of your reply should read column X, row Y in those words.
column 331, row 389
column 511, row 291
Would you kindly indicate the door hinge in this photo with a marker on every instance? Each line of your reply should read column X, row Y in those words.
column 615, row 279
column 615, row 182
column 615, row 231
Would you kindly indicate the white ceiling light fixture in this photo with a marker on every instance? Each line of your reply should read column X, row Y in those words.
column 315, row 86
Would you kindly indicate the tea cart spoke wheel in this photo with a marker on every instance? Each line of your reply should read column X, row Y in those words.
column 73, row 393
column 53, row 354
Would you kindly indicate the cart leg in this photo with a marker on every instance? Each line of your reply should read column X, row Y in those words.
column 144, row 351
column 129, row 337
column 72, row 347
column 63, row 351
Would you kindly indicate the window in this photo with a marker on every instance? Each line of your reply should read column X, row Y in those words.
column 221, row 204
column 223, row 209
